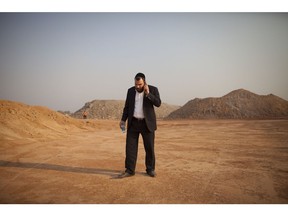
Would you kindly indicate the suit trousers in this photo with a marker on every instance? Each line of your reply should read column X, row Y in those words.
column 139, row 127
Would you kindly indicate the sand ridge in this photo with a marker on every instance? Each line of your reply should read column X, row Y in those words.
column 18, row 120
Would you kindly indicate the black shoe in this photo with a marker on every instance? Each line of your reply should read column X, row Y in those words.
column 151, row 173
column 125, row 175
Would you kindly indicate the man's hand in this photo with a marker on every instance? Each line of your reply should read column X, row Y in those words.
column 146, row 89
column 121, row 124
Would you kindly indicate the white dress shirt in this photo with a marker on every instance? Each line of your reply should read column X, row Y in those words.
column 138, row 109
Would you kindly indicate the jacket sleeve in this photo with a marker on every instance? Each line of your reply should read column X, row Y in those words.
column 125, row 109
column 154, row 96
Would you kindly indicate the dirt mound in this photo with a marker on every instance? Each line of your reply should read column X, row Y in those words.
column 18, row 120
column 238, row 104
column 164, row 110
column 112, row 109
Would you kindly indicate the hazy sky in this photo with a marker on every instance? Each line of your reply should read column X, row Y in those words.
column 63, row 60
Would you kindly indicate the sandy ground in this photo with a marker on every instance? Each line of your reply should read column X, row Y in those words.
column 198, row 161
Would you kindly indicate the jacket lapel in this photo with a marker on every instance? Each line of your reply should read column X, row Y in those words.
column 133, row 99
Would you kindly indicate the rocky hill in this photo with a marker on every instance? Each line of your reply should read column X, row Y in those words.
column 238, row 104
column 112, row 109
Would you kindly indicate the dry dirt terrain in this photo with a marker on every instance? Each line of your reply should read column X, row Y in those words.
column 198, row 161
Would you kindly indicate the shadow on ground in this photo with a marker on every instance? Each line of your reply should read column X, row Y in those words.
column 45, row 166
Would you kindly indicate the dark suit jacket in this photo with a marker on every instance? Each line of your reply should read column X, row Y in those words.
column 153, row 99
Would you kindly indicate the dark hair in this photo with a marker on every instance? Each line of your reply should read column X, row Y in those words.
column 140, row 76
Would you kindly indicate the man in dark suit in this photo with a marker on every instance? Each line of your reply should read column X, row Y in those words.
column 139, row 110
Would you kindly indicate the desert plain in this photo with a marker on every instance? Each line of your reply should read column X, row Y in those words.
column 197, row 162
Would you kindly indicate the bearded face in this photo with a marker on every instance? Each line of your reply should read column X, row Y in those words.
column 139, row 85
